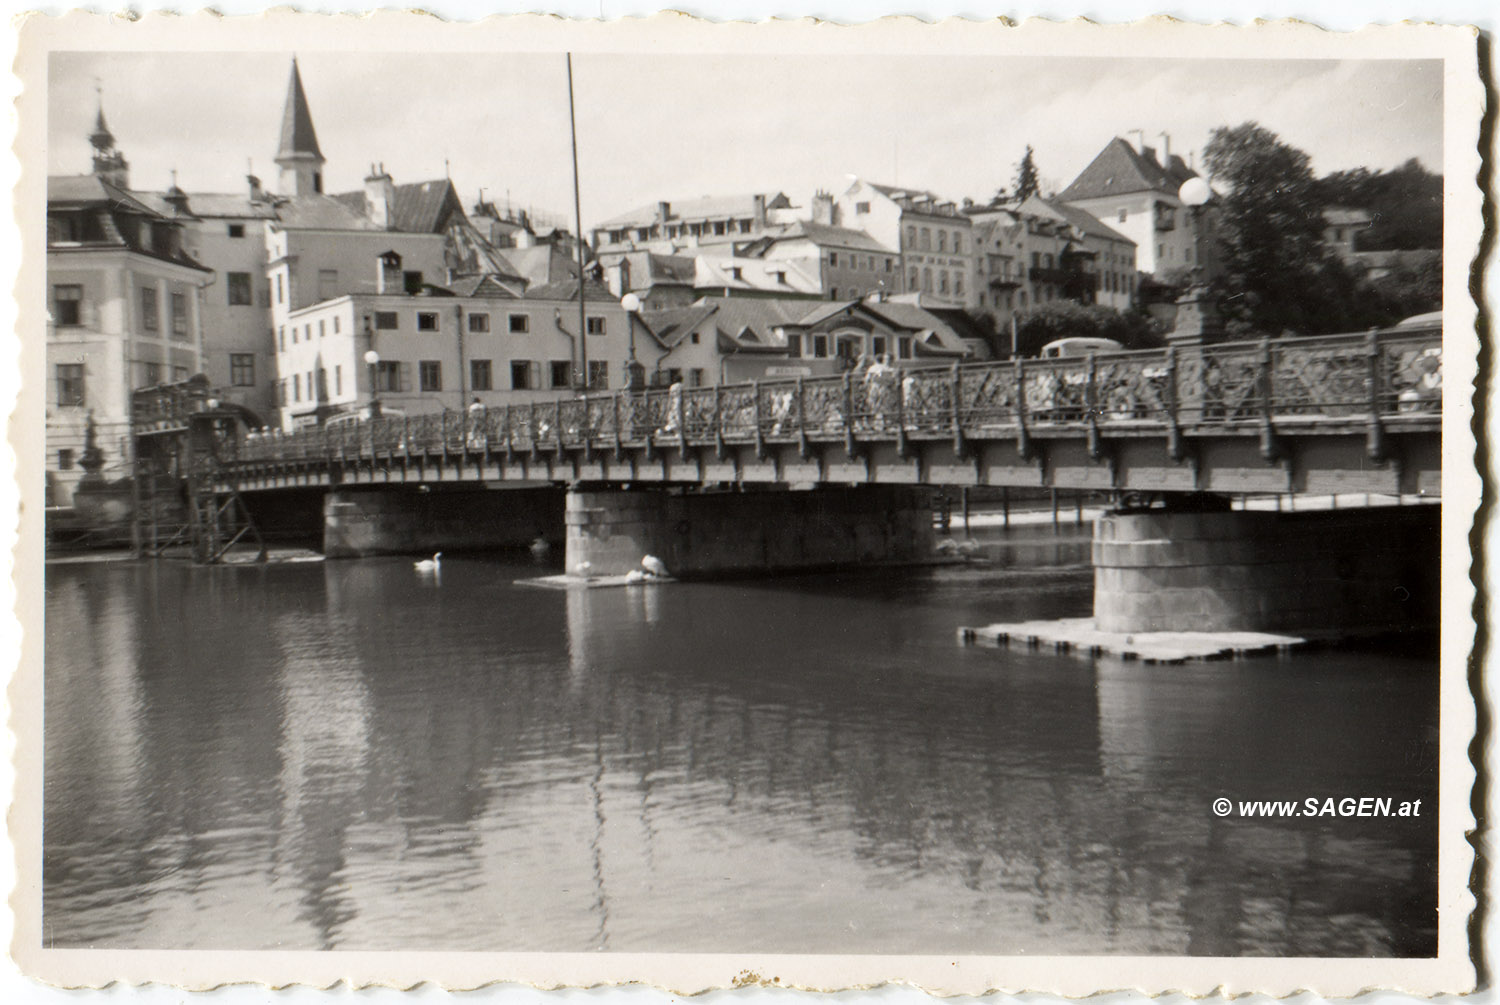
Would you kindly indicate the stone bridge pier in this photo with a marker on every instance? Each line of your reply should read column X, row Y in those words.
column 700, row 534
column 1329, row 570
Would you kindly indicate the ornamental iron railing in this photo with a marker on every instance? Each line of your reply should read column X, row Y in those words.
column 1339, row 379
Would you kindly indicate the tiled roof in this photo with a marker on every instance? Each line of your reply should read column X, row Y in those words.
column 1080, row 219
column 708, row 207
column 483, row 286
column 425, row 207
column 320, row 212
column 673, row 325
column 89, row 189
column 567, row 289
column 1339, row 216
column 827, row 235
column 538, row 265
column 297, row 133
column 1119, row 169
column 789, row 276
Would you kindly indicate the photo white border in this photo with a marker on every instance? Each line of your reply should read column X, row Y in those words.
column 1067, row 975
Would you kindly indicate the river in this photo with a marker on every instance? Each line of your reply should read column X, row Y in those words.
column 349, row 755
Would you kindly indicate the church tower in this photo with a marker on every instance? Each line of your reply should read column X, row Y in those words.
column 109, row 163
column 298, row 157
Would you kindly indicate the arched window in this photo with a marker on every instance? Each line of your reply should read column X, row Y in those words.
column 927, row 280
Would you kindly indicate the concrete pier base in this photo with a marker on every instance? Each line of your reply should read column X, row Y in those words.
column 700, row 534
column 1251, row 571
column 406, row 521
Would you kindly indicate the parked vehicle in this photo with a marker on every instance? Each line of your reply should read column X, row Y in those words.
column 1079, row 346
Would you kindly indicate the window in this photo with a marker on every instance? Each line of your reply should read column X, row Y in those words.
column 322, row 328
column 236, row 230
column 386, row 320
column 242, row 369
column 179, row 315
column 674, row 376
column 861, row 207
column 296, row 387
column 911, row 236
column 943, row 281
column 149, row 317
column 432, row 375
column 833, row 293
column 958, row 284
column 833, row 258
column 915, row 281
column 561, row 373
column 926, row 238
column 65, row 459
column 281, row 338
column 1161, row 251
column 903, row 347
column 958, row 242
column 150, row 374
column 695, row 377
column 390, row 376
column 338, row 379
column 335, row 324
column 479, row 322
column 694, row 338
column 794, row 345
column 427, row 321
column 520, row 323
column 878, row 345
column 240, row 294
column 942, row 241
column 480, row 377
column 598, row 374
column 295, row 338
column 67, row 304
column 411, row 281
column 927, row 280
column 820, row 346
column 594, row 325
column 328, row 284
column 887, row 265
column 520, row 375
column 1123, row 214
column 279, row 297
column 69, row 385
column 179, row 374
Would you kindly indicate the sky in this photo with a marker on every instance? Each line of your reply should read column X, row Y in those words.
column 674, row 128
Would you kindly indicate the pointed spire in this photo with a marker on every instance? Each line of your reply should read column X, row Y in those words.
column 298, row 139
column 101, row 137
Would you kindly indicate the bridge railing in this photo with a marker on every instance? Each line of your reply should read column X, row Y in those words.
column 1306, row 379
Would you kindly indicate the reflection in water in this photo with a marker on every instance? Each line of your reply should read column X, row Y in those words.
column 348, row 755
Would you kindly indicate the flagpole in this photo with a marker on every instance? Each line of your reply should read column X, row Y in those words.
column 583, row 334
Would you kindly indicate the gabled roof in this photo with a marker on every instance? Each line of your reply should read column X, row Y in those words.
column 115, row 212
column 298, row 138
column 1119, row 169
column 673, row 325
column 425, row 207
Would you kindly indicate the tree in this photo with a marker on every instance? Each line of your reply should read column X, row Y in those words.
column 1026, row 177
column 1276, row 275
column 1406, row 203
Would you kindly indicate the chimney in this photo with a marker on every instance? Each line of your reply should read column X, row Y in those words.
column 389, row 279
column 1166, row 148
column 663, row 213
column 380, row 196
column 822, row 207
column 758, row 201
column 257, row 194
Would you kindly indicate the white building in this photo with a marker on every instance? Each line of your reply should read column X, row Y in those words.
column 935, row 241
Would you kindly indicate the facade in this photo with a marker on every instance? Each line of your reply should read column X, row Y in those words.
column 444, row 347
column 125, row 305
column 670, row 227
column 1043, row 250
column 1137, row 195
column 849, row 263
column 934, row 240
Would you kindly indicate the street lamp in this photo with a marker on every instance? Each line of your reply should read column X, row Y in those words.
column 635, row 372
column 372, row 359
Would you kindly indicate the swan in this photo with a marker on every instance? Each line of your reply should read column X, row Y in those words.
column 947, row 546
column 654, row 566
column 429, row 564
column 969, row 547
column 540, row 547
column 583, row 569
column 635, row 576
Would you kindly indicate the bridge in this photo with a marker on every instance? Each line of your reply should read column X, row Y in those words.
column 702, row 476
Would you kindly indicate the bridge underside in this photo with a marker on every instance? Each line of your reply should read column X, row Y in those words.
column 1317, row 462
